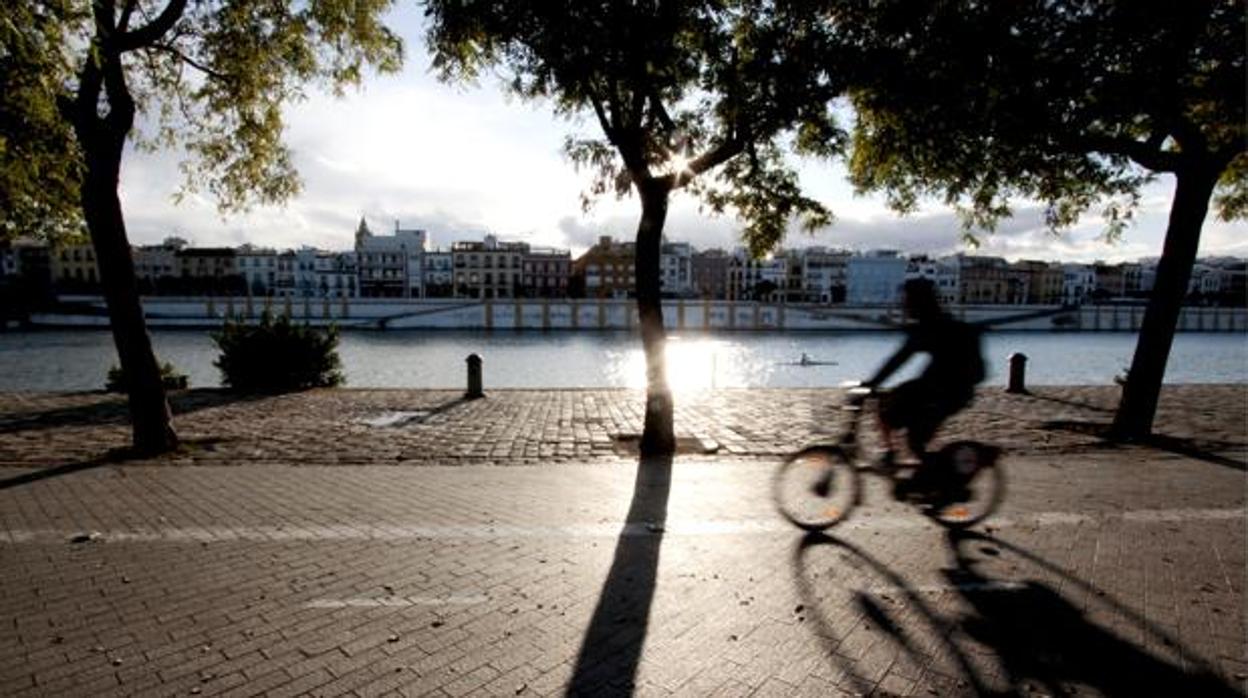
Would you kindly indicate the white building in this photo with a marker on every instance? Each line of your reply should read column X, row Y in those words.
column 875, row 278
column 390, row 266
column 1078, row 283
column 943, row 273
column 336, row 275
column 1206, row 280
column 822, row 275
column 758, row 279
column 155, row 265
column 285, row 283
column 304, row 273
column 258, row 267
column 676, row 269
column 439, row 274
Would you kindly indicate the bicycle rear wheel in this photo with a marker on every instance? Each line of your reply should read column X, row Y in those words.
column 816, row 488
column 981, row 484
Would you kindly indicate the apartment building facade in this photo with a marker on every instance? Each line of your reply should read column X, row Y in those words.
column 390, row 266
column 607, row 269
column 546, row 273
column 488, row 269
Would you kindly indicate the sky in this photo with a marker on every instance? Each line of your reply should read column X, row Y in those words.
column 463, row 161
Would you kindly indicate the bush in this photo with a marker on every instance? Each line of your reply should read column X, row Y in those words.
column 277, row 356
column 169, row 376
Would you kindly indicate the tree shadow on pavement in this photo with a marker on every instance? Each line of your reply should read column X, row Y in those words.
column 1198, row 449
column 606, row 664
column 1046, row 643
column 114, row 410
column 1066, row 402
column 990, row 637
column 113, row 456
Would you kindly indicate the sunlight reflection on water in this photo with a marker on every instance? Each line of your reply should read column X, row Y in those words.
column 693, row 364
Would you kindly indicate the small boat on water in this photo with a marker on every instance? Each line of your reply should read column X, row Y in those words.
column 805, row 360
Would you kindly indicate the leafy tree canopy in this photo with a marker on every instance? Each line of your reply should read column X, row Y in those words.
column 39, row 169
column 678, row 89
column 209, row 76
column 1072, row 102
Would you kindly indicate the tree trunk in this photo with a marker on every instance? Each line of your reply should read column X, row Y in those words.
column 103, row 140
column 658, row 436
column 1138, row 406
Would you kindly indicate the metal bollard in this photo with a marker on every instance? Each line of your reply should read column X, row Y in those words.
column 474, row 378
column 1018, row 373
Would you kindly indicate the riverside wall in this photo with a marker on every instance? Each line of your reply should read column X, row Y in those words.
column 613, row 314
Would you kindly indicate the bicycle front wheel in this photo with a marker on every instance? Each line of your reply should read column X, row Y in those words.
column 816, row 488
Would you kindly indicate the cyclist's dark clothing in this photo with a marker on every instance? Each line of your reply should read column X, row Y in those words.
column 946, row 385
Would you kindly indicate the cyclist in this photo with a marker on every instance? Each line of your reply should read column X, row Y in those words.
column 945, row 387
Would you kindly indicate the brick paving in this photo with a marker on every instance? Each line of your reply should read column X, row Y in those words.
column 516, row 427
column 1110, row 570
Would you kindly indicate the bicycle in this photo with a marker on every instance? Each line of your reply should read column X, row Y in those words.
column 819, row 486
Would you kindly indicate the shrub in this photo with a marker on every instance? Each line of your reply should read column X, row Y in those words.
column 277, row 356
column 169, row 376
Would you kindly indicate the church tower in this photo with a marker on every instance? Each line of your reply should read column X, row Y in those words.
column 362, row 233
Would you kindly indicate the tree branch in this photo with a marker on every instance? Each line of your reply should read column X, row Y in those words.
column 102, row 12
column 206, row 70
column 603, row 121
column 151, row 32
column 1153, row 158
column 1189, row 136
column 124, row 22
column 660, row 113
column 725, row 151
column 120, row 101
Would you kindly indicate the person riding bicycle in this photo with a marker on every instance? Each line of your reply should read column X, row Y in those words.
column 946, row 386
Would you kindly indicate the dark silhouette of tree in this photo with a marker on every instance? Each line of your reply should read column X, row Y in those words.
column 210, row 76
column 700, row 96
column 1071, row 102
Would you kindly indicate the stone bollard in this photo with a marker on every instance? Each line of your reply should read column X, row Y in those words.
column 474, row 378
column 1018, row 373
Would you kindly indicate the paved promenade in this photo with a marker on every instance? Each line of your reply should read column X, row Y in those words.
column 511, row 546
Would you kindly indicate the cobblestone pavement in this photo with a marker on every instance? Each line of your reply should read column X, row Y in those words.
column 1109, row 571
column 330, row 427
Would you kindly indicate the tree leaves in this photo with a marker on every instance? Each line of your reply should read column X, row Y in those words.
column 212, row 82
column 39, row 168
column 1069, row 102
column 695, row 84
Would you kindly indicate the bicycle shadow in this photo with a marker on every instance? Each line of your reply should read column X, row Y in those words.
column 846, row 620
column 610, row 652
column 993, row 635
column 1042, row 638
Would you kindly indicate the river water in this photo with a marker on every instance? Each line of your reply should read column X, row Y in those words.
column 79, row 359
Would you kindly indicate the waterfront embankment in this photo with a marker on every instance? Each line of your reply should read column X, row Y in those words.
column 615, row 314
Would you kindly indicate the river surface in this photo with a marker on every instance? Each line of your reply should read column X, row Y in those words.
column 79, row 359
